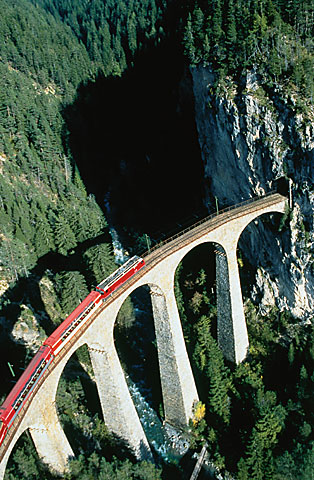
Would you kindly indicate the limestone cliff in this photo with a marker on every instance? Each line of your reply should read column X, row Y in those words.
column 250, row 136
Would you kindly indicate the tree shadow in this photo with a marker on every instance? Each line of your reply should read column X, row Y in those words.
column 134, row 140
column 27, row 291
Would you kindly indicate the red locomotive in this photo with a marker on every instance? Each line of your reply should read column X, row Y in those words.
column 52, row 346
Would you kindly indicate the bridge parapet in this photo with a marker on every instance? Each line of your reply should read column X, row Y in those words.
column 161, row 263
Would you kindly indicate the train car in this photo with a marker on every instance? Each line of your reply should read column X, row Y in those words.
column 3, row 431
column 23, row 389
column 121, row 275
column 58, row 339
column 69, row 327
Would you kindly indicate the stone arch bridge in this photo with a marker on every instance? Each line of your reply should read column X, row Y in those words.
column 179, row 392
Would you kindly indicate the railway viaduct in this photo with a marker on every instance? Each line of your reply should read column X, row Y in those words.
column 179, row 392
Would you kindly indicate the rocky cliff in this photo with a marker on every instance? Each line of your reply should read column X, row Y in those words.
column 254, row 137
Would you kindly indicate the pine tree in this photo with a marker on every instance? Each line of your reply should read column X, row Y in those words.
column 132, row 34
column 189, row 44
column 100, row 261
column 198, row 29
column 231, row 34
column 73, row 290
column 44, row 241
column 217, row 30
column 209, row 358
column 107, row 52
column 63, row 235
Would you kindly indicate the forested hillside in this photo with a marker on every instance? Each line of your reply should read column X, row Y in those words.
column 54, row 240
column 273, row 36
column 44, row 57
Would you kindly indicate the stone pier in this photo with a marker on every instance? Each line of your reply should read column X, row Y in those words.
column 177, row 382
column 118, row 410
column 231, row 325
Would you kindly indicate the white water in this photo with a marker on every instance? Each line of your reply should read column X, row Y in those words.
column 120, row 254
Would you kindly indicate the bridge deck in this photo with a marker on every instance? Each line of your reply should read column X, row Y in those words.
column 152, row 258
column 197, row 230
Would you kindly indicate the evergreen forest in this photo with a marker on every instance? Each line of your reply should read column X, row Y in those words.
column 273, row 36
column 55, row 244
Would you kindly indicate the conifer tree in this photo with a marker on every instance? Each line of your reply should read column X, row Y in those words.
column 217, row 31
column 189, row 44
column 73, row 290
column 231, row 34
column 63, row 235
column 132, row 34
column 100, row 261
column 44, row 241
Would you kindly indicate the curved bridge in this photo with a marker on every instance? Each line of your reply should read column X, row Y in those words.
column 179, row 392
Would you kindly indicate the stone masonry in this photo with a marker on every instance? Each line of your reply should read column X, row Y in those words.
column 178, row 385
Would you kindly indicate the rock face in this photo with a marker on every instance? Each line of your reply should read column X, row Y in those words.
column 27, row 330
column 250, row 137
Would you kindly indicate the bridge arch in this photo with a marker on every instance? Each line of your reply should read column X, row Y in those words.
column 174, row 366
column 254, row 233
column 196, row 272
column 77, row 392
column 161, row 264
column 11, row 451
column 136, row 345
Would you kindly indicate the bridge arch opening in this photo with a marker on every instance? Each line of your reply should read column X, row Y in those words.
column 263, row 242
column 78, row 406
column 196, row 296
column 257, row 247
column 196, row 286
column 136, row 344
column 24, row 461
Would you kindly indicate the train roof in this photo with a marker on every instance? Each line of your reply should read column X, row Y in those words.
column 39, row 355
column 120, row 271
column 55, row 336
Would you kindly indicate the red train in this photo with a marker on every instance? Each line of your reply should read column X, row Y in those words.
column 52, row 346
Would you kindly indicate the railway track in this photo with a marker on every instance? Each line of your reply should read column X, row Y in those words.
column 152, row 257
